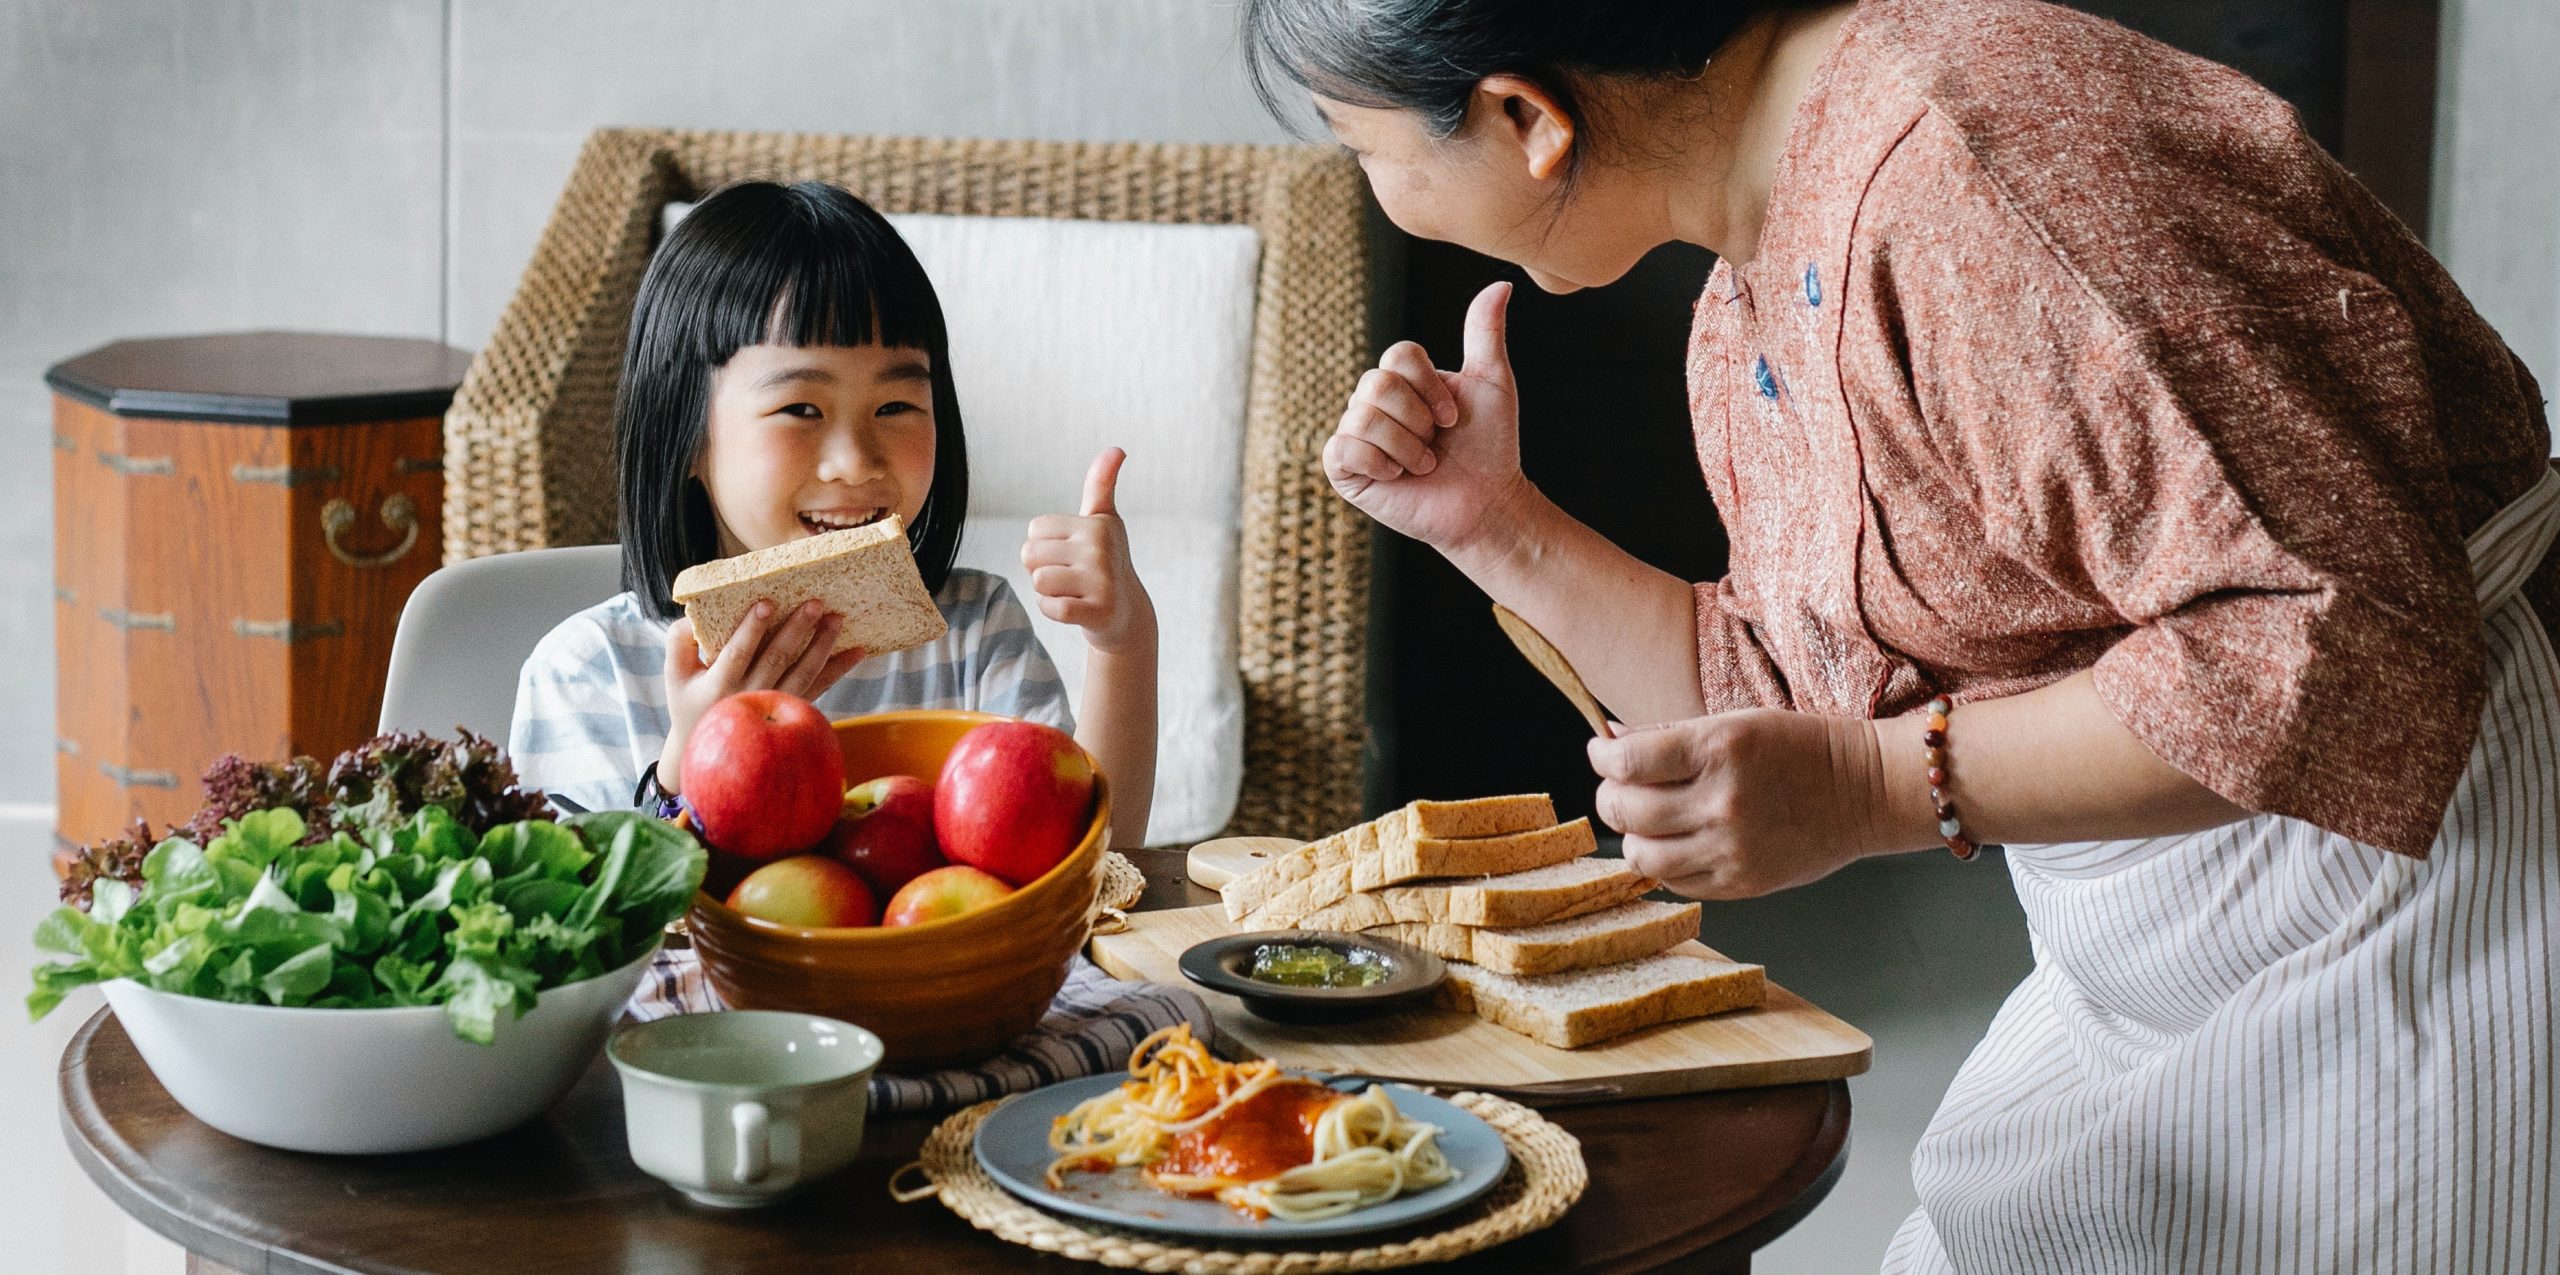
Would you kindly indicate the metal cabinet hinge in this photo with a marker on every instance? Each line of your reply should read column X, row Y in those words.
column 160, row 621
column 133, row 466
column 288, row 631
column 287, row 475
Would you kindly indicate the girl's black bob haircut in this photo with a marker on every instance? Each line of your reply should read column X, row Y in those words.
column 758, row 263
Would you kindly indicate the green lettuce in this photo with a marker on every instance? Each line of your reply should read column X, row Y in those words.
column 419, row 912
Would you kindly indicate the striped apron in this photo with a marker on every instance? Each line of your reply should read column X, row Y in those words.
column 2266, row 1047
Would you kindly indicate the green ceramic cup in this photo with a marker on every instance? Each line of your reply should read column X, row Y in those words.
column 741, row 1108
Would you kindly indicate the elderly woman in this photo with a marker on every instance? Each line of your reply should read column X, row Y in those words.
column 2107, row 474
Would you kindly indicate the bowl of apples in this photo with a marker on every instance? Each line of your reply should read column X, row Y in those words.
column 927, row 875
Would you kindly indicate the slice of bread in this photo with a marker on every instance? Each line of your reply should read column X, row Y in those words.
column 1482, row 816
column 1575, row 887
column 1398, row 855
column 864, row 574
column 1585, row 1007
column 1471, row 817
column 1405, row 856
column 1250, row 892
column 1608, row 937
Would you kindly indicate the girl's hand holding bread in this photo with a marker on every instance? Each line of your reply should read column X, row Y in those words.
column 757, row 657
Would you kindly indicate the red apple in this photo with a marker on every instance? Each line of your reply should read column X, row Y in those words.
column 806, row 889
column 943, row 892
column 1014, row 799
column 886, row 833
column 763, row 774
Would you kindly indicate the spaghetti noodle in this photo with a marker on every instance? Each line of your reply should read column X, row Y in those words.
column 1256, row 1140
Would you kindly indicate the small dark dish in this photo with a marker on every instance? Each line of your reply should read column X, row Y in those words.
column 1221, row 965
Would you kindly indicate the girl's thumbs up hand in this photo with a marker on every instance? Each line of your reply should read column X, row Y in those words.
column 1080, row 568
column 1430, row 453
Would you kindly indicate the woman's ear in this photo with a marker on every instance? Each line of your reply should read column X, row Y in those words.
column 1523, row 118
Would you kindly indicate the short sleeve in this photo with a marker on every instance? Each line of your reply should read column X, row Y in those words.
column 2306, row 639
column 1734, row 671
column 572, row 735
column 1013, row 673
column 2251, row 488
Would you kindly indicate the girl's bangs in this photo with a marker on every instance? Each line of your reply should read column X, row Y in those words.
column 848, row 281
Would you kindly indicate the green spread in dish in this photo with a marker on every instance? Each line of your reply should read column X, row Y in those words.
column 1311, row 965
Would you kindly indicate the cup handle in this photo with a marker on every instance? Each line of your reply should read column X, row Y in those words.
column 750, row 1121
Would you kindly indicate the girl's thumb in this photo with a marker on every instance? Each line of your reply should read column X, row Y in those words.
column 1102, row 483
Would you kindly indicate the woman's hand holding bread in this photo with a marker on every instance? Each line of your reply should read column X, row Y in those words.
column 1435, row 455
column 757, row 657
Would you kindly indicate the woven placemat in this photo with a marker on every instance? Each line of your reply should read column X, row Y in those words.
column 1544, row 1179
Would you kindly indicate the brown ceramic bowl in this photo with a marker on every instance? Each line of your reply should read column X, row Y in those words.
column 943, row 993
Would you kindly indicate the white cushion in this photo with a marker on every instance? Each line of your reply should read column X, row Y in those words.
column 1068, row 337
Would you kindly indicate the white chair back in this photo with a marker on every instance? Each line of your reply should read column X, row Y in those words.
column 466, row 631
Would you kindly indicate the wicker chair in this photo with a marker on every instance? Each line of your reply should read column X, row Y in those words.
column 528, row 442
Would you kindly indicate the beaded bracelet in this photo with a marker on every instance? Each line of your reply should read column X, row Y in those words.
column 1950, row 826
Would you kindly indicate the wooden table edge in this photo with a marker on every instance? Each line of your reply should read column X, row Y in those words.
column 1801, row 1201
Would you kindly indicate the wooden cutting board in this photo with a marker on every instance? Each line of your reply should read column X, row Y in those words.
column 1786, row 1040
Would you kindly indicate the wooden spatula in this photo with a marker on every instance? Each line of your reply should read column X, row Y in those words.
column 1544, row 657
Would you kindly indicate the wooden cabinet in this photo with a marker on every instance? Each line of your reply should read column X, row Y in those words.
column 237, row 522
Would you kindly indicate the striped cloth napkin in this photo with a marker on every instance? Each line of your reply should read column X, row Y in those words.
column 1090, row 1028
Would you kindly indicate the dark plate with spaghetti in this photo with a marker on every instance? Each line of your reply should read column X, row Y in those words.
column 1012, row 1145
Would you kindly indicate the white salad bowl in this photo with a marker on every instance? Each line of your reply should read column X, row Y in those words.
column 368, row 1081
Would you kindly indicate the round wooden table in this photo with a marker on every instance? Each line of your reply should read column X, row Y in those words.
column 1688, row 1183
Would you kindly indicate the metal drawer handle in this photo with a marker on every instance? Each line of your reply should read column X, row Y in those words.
column 287, row 631
column 399, row 513
column 131, row 778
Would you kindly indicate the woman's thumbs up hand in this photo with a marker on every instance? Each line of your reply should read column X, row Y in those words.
column 1080, row 568
column 1430, row 453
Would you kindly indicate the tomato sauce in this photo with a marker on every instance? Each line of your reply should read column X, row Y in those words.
column 1270, row 1132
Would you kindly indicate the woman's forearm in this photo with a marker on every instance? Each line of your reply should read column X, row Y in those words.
column 1629, row 628
column 2050, row 765
column 1117, row 724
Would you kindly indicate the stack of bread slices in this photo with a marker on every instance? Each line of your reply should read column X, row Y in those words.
column 1541, row 937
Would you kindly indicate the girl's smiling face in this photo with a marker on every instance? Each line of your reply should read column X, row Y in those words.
column 809, row 439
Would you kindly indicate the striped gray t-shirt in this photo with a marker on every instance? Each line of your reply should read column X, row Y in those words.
column 591, row 703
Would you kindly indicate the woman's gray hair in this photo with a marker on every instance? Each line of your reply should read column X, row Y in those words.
column 1427, row 56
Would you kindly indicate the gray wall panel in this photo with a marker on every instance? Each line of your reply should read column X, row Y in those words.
column 530, row 81
column 174, row 166
column 2497, row 178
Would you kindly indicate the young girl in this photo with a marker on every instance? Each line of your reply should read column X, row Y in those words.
column 788, row 373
